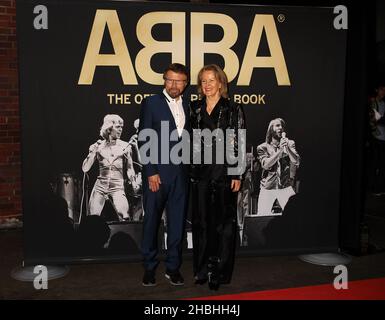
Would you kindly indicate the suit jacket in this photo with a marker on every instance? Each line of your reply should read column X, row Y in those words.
column 226, row 115
column 154, row 110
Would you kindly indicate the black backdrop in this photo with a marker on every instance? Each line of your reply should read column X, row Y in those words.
column 361, row 76
column 60, row 118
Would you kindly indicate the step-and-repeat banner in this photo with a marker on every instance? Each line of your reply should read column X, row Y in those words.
column 82, row 60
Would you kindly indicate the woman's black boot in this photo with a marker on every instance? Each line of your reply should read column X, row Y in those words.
column 213, row 273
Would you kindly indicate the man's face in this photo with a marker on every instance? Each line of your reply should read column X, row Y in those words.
column 116, row 130
column 175, row 83
column 277, row 129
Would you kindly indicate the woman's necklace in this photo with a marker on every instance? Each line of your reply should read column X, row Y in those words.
column 210, row 107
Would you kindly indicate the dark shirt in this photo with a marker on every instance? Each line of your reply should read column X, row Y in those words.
column 212, row 171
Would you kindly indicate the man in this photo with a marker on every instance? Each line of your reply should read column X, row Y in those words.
column 165, row 185
column 279, row 160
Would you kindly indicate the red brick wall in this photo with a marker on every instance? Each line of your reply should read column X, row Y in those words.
column 10, row 184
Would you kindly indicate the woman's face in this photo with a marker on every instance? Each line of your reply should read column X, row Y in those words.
column 210, row 84
column 116, row 130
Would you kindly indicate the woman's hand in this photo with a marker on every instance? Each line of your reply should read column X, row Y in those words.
column 235, row 185
column 94, row 147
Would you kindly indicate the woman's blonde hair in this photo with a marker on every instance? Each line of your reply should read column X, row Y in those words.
column 108, row 122
column 219, row 75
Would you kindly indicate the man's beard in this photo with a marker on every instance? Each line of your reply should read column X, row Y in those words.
column 174, row 93
column 277, row 136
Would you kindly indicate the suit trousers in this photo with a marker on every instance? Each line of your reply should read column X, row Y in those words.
column 173, row 197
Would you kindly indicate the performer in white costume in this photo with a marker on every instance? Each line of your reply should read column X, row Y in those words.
column 114, row 158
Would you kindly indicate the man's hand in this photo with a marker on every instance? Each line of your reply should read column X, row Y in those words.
column 94, row 147
column 283, row 143
column 235, row 185
column 154, row 182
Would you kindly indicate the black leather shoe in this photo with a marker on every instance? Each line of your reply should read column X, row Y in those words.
column 149, row 278
column 175, row 278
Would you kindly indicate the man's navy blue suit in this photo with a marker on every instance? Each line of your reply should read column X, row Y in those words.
column 173, row 191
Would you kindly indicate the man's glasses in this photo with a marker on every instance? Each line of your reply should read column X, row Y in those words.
column 177, row 82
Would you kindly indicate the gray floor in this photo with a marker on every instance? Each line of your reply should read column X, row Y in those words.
column 123, row 280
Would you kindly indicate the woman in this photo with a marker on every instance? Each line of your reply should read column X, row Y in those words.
column 214, row 191
column 114, row 158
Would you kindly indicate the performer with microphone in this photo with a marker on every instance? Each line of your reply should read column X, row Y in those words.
column 279, row 160
column 114, row 159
